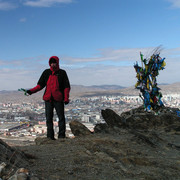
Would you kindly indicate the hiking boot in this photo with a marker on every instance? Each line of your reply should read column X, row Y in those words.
column 61, row 137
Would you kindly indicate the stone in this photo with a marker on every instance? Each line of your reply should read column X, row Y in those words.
column 101, row 128
column 88, row 152
column 11, row 157
column 2, row 167
column 78, row 129
column 20, row 176
column 165, row 117
column 23, row 174
column 22, row 170
column 111, row 118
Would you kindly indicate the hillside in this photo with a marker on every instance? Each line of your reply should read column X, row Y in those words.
column 76, row 91
column 135, row 145
column 81, row 91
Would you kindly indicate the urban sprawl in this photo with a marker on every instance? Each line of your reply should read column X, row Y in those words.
column 26, row 121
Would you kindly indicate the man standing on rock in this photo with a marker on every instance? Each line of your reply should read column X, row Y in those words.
column 55, row 96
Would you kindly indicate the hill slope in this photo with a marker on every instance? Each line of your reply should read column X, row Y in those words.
column 80, row 91
column 134, row 145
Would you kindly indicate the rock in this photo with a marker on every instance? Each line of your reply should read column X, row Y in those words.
column 78, row 129
column 21, row 174
column 88, row 152
column 22, row 170
column 164, row 117
column 12, row 158
column 2, row 167
column 148, row 139
column 101, row 128
column 112, row 119
column 70, row 172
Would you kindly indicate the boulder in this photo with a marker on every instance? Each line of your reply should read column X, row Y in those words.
column 11, row 159
column 2, row 168
column 101, row 128
column 78, row 129
column 111, row 118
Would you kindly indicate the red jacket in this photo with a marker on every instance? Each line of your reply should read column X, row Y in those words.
column 56, row 82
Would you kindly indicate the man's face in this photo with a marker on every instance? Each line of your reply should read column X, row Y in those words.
column 53, row 65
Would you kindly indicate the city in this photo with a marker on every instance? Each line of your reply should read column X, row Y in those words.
column 26, row 121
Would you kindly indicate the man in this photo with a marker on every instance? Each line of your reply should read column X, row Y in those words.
column 55, row 96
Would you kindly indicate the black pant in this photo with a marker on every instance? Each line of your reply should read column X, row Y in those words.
column 49, row 109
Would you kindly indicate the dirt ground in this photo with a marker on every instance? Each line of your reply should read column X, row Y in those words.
column 121, row 154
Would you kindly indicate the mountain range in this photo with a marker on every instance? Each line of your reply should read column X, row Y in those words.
column 82, row 91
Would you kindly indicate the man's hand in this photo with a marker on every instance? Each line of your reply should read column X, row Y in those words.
column 25, row 91
column 66, row 102
column 29, row 92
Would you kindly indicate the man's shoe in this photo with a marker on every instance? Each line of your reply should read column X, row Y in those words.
column 61, row 137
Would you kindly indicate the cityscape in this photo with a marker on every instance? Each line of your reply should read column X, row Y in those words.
column 25, row 121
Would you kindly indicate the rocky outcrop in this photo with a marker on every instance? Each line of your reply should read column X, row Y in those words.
column 11, row 163
column 143, row 145
column 11, row 159
column 162, row 118
column 138, row 119
column 166, row 119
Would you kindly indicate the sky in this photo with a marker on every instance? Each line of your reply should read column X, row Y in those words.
column 97, row 41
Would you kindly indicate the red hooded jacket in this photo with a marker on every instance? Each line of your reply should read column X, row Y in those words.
column 56, row 82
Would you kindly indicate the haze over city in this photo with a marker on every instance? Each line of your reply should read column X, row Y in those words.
column 97, row 41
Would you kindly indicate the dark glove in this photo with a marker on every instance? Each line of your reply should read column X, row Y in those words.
column 29, row 92
column 66, row 102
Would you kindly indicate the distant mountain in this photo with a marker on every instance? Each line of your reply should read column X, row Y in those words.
column 107, row 87
column 170, row 88
column 76, row 91
column 7, row 91
column 94, row 88
column 82, row 91
column 163, row 84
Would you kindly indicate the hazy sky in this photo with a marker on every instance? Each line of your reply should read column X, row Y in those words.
column 97, row 41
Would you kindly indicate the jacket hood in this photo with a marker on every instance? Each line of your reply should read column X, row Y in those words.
column 57, row 61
